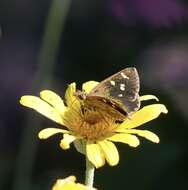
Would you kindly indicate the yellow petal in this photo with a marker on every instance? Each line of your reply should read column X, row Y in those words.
column 148, row 97
column 48, row 132
column 53, row 99
column 42, row 107
column 69, row 94
column 64, row 183
column 95, row 155
column 131, row 140
column 88, row 86
column 66, row 141
column 110, row 152
column 143, row 133
column 144, row 115
column 70, row 184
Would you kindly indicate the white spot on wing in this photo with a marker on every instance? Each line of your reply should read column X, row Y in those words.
column 112, row 83
column 124, row 76
column 122, row 88
column 120, row 95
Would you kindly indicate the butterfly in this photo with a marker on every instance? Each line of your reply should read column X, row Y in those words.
column 116, row 96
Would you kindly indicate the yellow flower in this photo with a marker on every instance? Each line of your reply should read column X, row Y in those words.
column 69, row 184
column 92, row 133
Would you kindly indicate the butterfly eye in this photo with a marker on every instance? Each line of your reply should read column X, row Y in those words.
column 95, row 91
column 80, row 94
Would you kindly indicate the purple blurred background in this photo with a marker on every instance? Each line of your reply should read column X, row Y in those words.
column 98, row 39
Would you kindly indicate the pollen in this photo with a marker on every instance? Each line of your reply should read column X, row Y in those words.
column 92, row 125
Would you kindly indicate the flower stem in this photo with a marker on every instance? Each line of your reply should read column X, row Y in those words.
column 89, row 174
column 54, row 27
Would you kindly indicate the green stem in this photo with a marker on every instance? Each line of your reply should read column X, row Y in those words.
column 89, row 175
column 47, row 58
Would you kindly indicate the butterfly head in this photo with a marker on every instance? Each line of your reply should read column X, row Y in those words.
column 81, row 95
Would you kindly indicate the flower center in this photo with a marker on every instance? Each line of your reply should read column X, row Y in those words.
column 92, row 125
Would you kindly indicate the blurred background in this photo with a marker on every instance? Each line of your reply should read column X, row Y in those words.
column 47, row 44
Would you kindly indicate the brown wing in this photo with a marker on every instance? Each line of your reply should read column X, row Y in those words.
column 120, row 89
column 106, row 107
